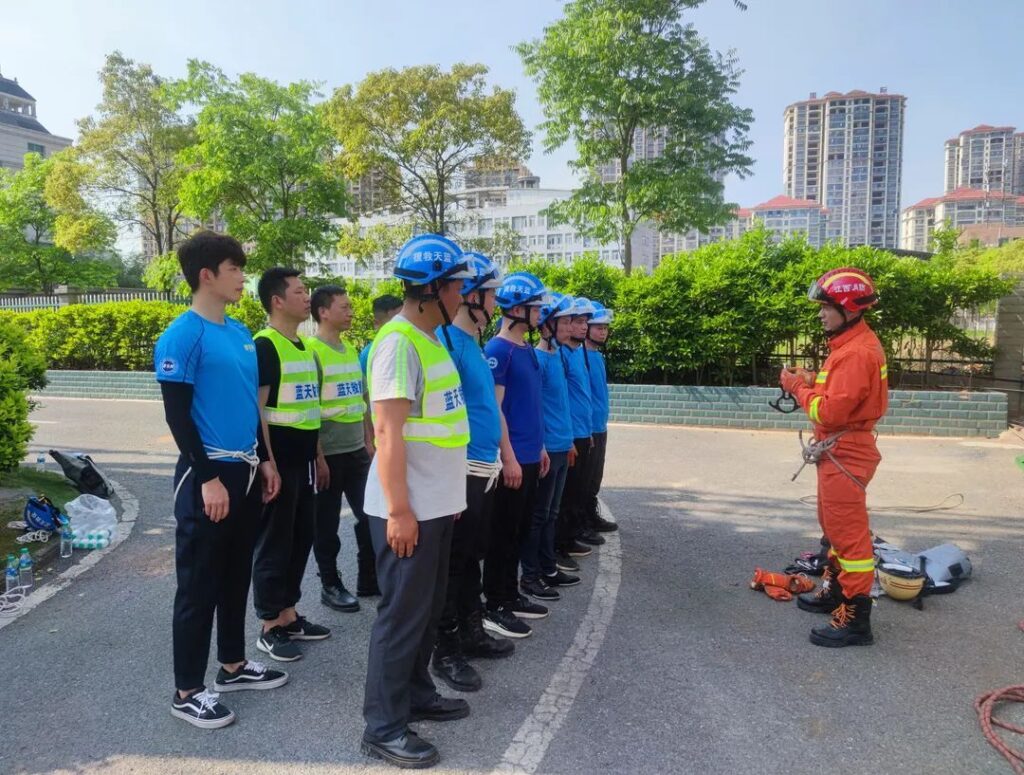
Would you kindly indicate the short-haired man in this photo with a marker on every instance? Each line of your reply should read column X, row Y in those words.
column 290, row 403
column 597, row 336
column 206, row 365
column 385, row 307
column 343, row 457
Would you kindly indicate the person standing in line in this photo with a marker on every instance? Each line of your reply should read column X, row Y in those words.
column 597, row 335
column 415, row 489
column 290, row 403
column 205, row 363
column 343, row 455
column 385, row 307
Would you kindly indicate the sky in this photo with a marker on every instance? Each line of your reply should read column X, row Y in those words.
column 958, row 64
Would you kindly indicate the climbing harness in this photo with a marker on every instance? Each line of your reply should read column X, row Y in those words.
column 214, row 453
column 813, row 452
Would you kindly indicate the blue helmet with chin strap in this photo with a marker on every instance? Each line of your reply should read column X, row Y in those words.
column 428, row 258
column 558, row 305
column 483, row 273
column 602, row 315
column 520, row 289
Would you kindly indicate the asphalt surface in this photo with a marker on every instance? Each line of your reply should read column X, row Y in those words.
column 695, row 673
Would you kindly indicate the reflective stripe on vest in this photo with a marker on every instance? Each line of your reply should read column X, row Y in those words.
column 298, row 394
column 341, row 383
column 445, row 422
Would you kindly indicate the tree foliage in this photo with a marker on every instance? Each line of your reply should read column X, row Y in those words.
column 22, row 368
column 609, row 69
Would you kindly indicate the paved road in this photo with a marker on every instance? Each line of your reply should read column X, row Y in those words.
column 662, row 661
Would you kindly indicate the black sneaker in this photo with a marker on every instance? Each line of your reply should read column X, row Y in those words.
column 589, row 537
column 524, row 609
column 602, row 525
column 276, row 643
column 576, row 549
column 252, row 675
column 566, row 563
column 559, row 579
column 303, row 629
column 202, row 710
column 505, row 623
column 538, row 589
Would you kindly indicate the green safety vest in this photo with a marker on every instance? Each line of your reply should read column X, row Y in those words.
column 298, row 394
column 445, row 422
column 341, row 384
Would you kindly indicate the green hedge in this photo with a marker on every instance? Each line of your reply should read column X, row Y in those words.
column 22, row 368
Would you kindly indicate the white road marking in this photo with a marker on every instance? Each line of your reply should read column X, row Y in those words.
column 526, row 751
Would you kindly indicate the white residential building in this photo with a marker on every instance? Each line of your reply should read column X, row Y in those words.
column 20, row 130
column 962, row 209
column 990, row 158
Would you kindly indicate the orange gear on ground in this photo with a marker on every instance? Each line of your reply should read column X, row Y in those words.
column 780, row 586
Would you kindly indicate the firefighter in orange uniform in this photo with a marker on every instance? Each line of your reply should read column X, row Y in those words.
column 844, row 400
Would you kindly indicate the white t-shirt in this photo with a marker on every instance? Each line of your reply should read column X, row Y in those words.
column 436, row 476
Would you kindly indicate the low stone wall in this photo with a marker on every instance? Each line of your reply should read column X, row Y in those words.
column 926, row 412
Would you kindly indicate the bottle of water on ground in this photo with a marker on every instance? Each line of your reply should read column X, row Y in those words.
column 67, row 536
column 11, row 581
column 25, row 570
column 41, row 462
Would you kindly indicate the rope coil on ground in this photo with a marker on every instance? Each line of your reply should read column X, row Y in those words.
column 985, row 705
column 944, row 505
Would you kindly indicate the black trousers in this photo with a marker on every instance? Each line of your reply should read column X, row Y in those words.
column 412, row 597
column 213, row 561
column 513, row 512
column 595, row 475
column 348, row 477
column 285, row 538
column 571, row 511
column 469, row 540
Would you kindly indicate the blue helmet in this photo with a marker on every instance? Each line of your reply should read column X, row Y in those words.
column 558, row 305
column 429, row 257
column 483, row 273
column 583, row 306
column 602, row 315
column 521, row 288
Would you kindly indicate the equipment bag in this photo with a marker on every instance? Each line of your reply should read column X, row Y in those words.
column 83, row 473
column 946, row 566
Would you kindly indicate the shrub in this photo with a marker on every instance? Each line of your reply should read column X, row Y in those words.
column 22, row 368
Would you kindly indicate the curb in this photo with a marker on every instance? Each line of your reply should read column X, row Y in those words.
column 38, row 596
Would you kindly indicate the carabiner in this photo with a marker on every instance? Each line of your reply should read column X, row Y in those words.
column 784, row 396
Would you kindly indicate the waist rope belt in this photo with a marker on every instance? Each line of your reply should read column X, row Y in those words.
column 815, row 450
column 215, row 453
column 487, row 471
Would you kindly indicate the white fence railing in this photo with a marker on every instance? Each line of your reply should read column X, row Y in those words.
column 15, row 303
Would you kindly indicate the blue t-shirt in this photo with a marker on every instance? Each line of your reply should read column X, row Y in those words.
column 579, row 391
column 364, row 356
column 478, row 388
column 219, row 361
column 517, row 369
column 555, row 393
column 598, row 390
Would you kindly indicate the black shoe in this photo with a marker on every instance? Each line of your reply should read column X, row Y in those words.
column 538, row 589
column 602, row 525
column 505, row 623
column 252, row 675
column 850, row 625
column 524, row 609
column 201, row 710
column 303, row 629
column 441, row 709
column 576, row 549
column 337, row 597
column 566, row 563
column 455, row 671
column 408, row 751
column 559, row 579
column 589, row 537
column 276, row 643
column 477, row 644
column 825, row 599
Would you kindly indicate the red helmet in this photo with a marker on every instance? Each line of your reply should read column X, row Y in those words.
column 846, row 287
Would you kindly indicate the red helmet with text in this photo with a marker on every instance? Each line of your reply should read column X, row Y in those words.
column 846, row 287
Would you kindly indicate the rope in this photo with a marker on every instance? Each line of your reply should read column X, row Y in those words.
column 813, row 452
column 943, row 505
column 10, row 602
column 985, row 706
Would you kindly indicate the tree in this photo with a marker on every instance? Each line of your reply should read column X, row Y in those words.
column 126, row 156
column 420, row 128
column 366, row 242
column 262, row 161
column 612, row 68
column 29, row 258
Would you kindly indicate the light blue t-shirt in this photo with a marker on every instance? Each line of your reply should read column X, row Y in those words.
column 478, row 389
column 219, row 361
column 558, row 436
column 579, row 391
column 598, row 390
column 516, row 368
column 364, row 356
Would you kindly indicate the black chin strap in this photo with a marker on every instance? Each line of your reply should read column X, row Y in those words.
column 434, row 294
column 472, row 307
column 845, row 326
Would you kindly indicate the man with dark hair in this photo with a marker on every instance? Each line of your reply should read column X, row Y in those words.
column 384, row 308
column 206, row 365
column 290, row 402
column 343, row 455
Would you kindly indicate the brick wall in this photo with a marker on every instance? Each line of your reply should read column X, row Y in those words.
column 933, row 413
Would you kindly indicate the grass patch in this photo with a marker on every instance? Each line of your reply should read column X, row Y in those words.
column 54, row 486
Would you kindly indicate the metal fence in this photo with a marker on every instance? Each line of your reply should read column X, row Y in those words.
column 24, row 303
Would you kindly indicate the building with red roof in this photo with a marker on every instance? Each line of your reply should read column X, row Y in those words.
column 964, row 209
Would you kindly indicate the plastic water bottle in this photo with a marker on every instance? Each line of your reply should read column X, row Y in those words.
column 41, row 462
column 25, row 569
column 11, row 576
column 67, row 535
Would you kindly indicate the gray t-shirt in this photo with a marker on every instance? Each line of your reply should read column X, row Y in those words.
column 339, row 437
column 436, row 476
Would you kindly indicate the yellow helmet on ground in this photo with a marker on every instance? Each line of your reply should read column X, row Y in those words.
column 900, row 582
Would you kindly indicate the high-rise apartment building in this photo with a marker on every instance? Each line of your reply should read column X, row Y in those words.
column 845, row 151
column 987, row 158
column 963, row 209
column 20, row 130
